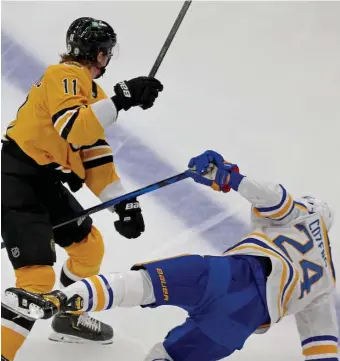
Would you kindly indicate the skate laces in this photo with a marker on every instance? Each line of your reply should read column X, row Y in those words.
column 89, row 322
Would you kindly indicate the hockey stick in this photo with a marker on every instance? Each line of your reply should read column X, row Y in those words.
column 170, row 38
column 150, row 188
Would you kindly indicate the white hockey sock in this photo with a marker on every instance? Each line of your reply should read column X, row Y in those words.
column 102, row 292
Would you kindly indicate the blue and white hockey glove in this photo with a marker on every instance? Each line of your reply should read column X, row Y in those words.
column 210, row 169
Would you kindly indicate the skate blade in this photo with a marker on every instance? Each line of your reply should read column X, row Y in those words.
column 11, row 302
column 61, row 337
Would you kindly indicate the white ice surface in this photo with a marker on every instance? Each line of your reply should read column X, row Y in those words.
column 259, row 82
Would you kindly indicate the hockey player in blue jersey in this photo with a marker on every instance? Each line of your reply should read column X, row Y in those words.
column 284, row 266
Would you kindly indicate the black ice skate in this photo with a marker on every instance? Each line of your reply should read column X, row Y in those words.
column 35, row 306
column 83, row 328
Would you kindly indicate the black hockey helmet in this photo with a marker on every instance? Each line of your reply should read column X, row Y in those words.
column 87, row 36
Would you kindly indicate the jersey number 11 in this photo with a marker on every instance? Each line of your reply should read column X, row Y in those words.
column 66, row 83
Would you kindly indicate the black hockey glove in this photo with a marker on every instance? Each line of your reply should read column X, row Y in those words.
column 141, row 91
column 131, row 222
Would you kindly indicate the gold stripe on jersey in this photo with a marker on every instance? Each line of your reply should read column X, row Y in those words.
column 290, row 292
column 64, row 120
column 97, row 154
column 98, row 163
column 98, row 160
column 301, row 207
column 89, row 154
column 296, row 275
column 59, row 115
column 285, row 210
column 327, row 248
column 290, row 276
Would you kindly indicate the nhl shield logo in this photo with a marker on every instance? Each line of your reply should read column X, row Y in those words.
column 52, row 245
column 15, row 252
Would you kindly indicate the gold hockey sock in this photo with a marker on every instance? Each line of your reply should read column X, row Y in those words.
column 14, row 331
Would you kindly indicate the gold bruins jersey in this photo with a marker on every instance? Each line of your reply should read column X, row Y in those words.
column 62, row 124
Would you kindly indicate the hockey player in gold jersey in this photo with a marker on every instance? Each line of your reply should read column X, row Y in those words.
column 58, row 137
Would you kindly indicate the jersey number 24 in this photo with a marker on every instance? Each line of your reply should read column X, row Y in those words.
column 311, row 271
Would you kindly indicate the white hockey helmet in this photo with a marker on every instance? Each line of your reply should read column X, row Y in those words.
column 319, row 206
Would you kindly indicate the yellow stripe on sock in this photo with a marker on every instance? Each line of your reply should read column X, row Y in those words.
column 320, row 350
column 100, row 293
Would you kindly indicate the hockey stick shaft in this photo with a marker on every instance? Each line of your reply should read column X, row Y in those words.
column 170, row 38
column 148, row 189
